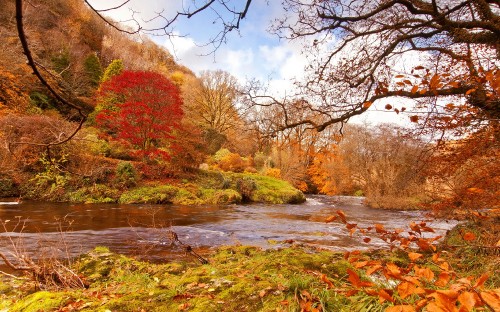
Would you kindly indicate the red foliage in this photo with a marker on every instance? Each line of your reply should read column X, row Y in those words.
column 146, row 110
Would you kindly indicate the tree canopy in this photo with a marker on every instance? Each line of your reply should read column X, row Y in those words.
column 145, row 109
column 362, row 52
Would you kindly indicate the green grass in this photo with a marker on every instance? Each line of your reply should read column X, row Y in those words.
column 237, row 278
column 216, row 188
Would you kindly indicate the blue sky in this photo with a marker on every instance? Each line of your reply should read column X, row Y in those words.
column 251, row 53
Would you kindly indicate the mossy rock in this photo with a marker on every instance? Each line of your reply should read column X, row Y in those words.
column 228, row 196
column 98, row 193
column 161, row 194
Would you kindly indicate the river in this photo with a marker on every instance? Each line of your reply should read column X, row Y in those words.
column 131, row 229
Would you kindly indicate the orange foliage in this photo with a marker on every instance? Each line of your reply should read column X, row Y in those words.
column 329, row 173
column 466, row 172
column 415, row 283
column 233, row 162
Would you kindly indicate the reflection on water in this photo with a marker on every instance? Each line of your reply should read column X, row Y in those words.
column 129, row 229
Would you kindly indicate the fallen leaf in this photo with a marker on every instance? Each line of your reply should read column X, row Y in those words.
column 406, row 289
column 443, row 279
column 356, row 281
column 325, row 279
column 424, row 273
column 481, row 280
column 400, row 308
column 330, row 219
column 492, row 298
column 414, row 256
column 342, row 216
column 379, row 228
column 469, row 236
column 467, row 301
column 384, row 295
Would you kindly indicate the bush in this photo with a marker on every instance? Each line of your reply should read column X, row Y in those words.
column 220, row 154
column 126, row 175
column 246, row 187
column 233, row 162
column 8, row 187
column 273, row 172
column 359, row 193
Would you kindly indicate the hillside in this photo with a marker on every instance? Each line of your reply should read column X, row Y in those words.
column 78, row 53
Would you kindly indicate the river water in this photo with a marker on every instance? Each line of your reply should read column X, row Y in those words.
column 131, row 229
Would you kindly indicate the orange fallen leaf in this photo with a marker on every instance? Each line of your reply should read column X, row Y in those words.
column 414, row 256
column 379, row 228
column 467, row 301
column 492, row 298
column 342, row 216
column 424, row 273
column 400, row 308
column 384, row 295
column 406, row 289
column 481, row 280
column 469, row 236
column 356, row 281
column 443, row 279
column 325, row 279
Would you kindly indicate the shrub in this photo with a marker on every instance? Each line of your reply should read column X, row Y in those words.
column 220, row 154
column 273, row 172
column 359, row 193
column 126, row 175
column 261, row 160
column 246, row 186
column 185, row 197
column 232, row 162
column 7, row 187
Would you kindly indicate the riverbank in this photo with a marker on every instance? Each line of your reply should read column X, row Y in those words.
column 203, row 187
column 242, row 278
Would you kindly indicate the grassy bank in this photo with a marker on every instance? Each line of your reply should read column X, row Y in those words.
column 242, row 278
column 204, row 187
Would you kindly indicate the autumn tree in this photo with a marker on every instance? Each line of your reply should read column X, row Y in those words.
column 147, row 111
column 465, row 173
column 359, row 53
column 386, row 163
column 113, row 69
column 330, row 173
column 213, row 103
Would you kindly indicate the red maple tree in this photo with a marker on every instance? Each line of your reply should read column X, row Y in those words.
column 143, row 109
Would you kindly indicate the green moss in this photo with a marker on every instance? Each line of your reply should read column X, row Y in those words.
column 185, row 197
column 41, row 301
column 149, row 195
column 97, row 193
column 237, row 278
column 226, row 197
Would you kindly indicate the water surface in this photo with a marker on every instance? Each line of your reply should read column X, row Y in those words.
column 132, row 229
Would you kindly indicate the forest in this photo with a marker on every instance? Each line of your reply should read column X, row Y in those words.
column 94, row 112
